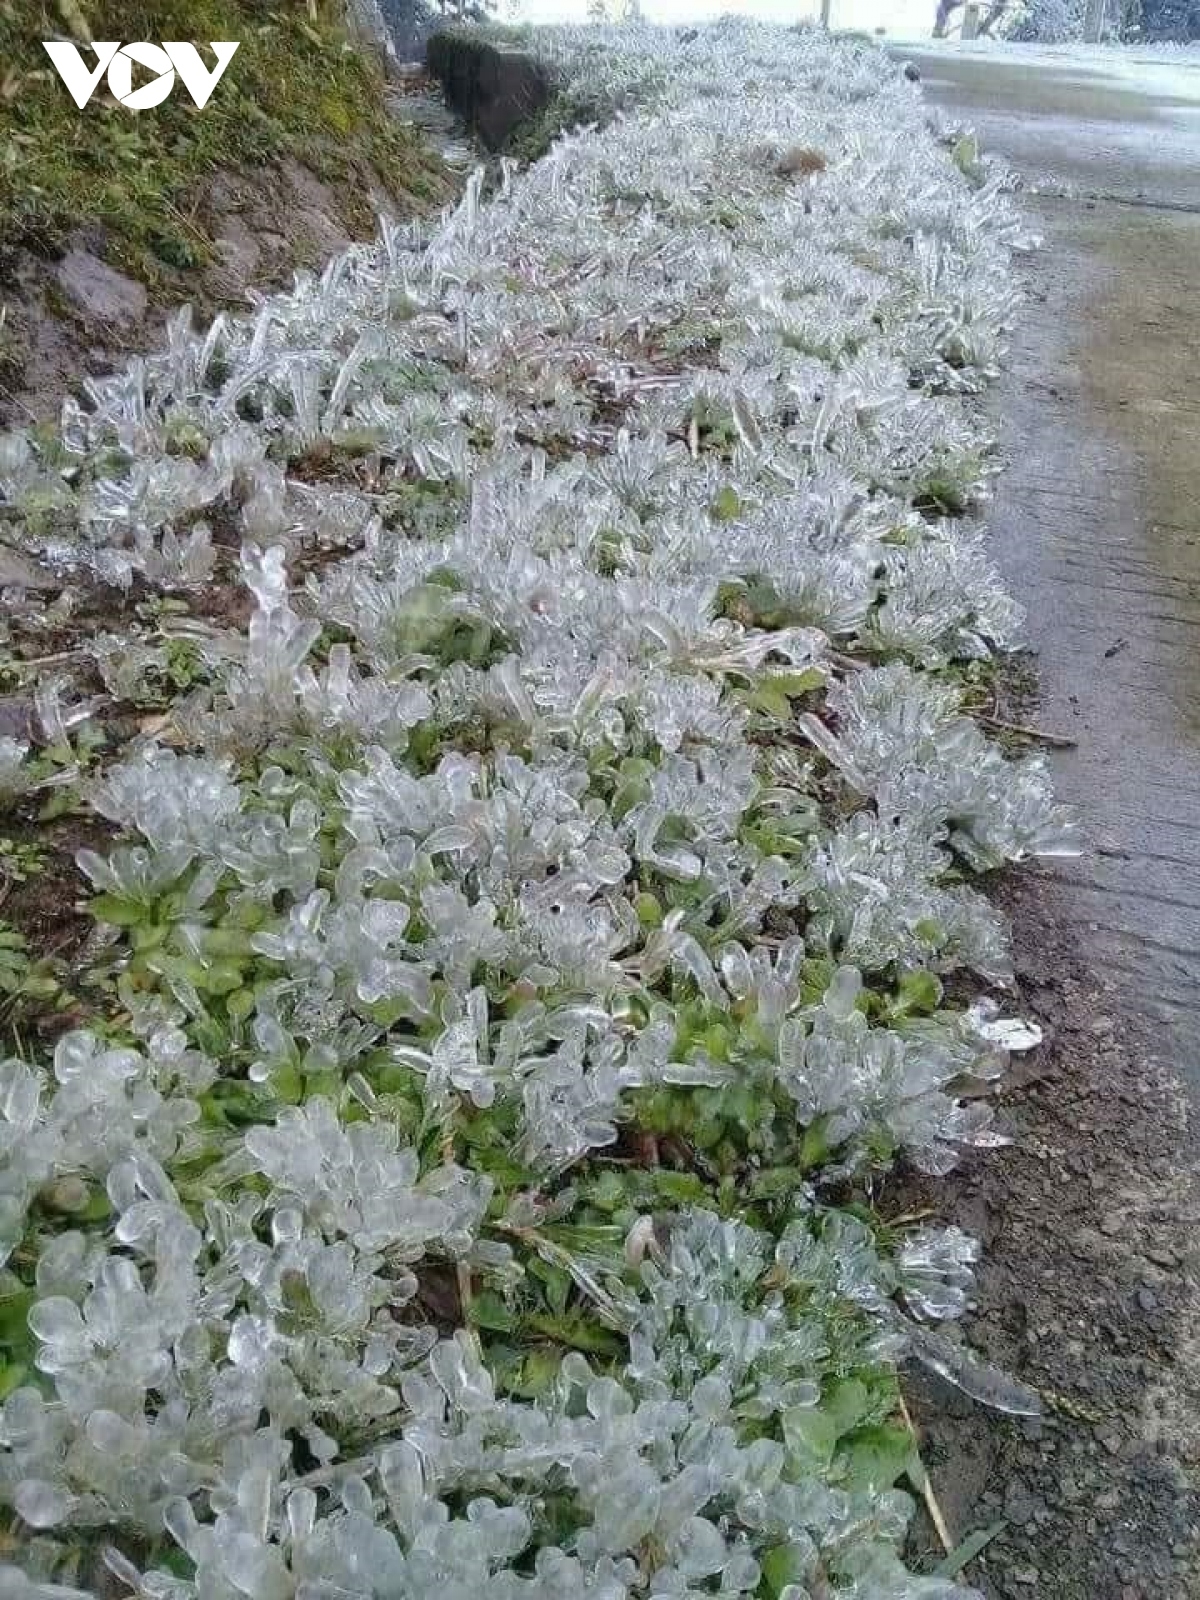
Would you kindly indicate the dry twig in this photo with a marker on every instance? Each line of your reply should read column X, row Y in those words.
column 936, row 1515
column 1056, row 741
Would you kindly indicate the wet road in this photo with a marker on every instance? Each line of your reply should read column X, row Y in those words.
column 1097, row 518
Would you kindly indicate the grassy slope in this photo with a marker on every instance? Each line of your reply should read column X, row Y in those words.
column 295, row 89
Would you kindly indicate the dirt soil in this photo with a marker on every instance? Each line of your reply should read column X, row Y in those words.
column 78, row 316
column 1089, row 1291
column 1090, row 1284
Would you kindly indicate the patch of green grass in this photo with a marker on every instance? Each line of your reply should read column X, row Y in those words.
column 295, row 89
column 12, row 358
column 20, row 861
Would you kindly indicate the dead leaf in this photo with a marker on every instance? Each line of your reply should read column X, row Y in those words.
column 801, row 162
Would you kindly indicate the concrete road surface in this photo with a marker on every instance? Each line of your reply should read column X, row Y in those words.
column 1097, row 517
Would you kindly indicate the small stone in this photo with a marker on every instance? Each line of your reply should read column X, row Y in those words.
column 238, row 259
column 1162, row 1255
column 912, row 72
column 1147, row 1299
column 1019, row 1505
column 19, row 572
column 1027, row 1577
column 100, row 292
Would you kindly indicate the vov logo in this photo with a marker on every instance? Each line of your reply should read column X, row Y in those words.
column 164, row 61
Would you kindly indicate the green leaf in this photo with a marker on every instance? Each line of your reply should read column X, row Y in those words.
column 773, row 701
column 11, row 1377
column 120, row 912
column 98, row 1208
column 726, row 504
column 14, row 1313
column 874, row 1459
column 774, row 691
column 578, row 1330
column 776, row 1183
column 847, row 1403
column 537, row 1373
column 649, row 910
column 489, row 1311
column 218, row 978
column 811, row 1436
column 607, row 1192
column 679, row 1188
column 782, row 1566
column 968, row 1549
column 240, row 1004
column 919, row 992
column 965, row 155
column 794, row 684
column 815, row 976
column 556, row 1284
column 814, row 1147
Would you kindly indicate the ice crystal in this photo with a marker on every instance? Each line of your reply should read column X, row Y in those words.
column 14, row 774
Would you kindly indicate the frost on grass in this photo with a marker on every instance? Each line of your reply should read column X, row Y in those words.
column 547, row 894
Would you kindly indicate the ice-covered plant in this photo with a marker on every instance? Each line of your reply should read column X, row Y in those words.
column 546, row 893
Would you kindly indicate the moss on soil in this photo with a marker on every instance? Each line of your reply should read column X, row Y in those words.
column 295, row 89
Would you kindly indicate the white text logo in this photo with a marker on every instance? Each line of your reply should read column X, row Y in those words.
column 164, row 61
